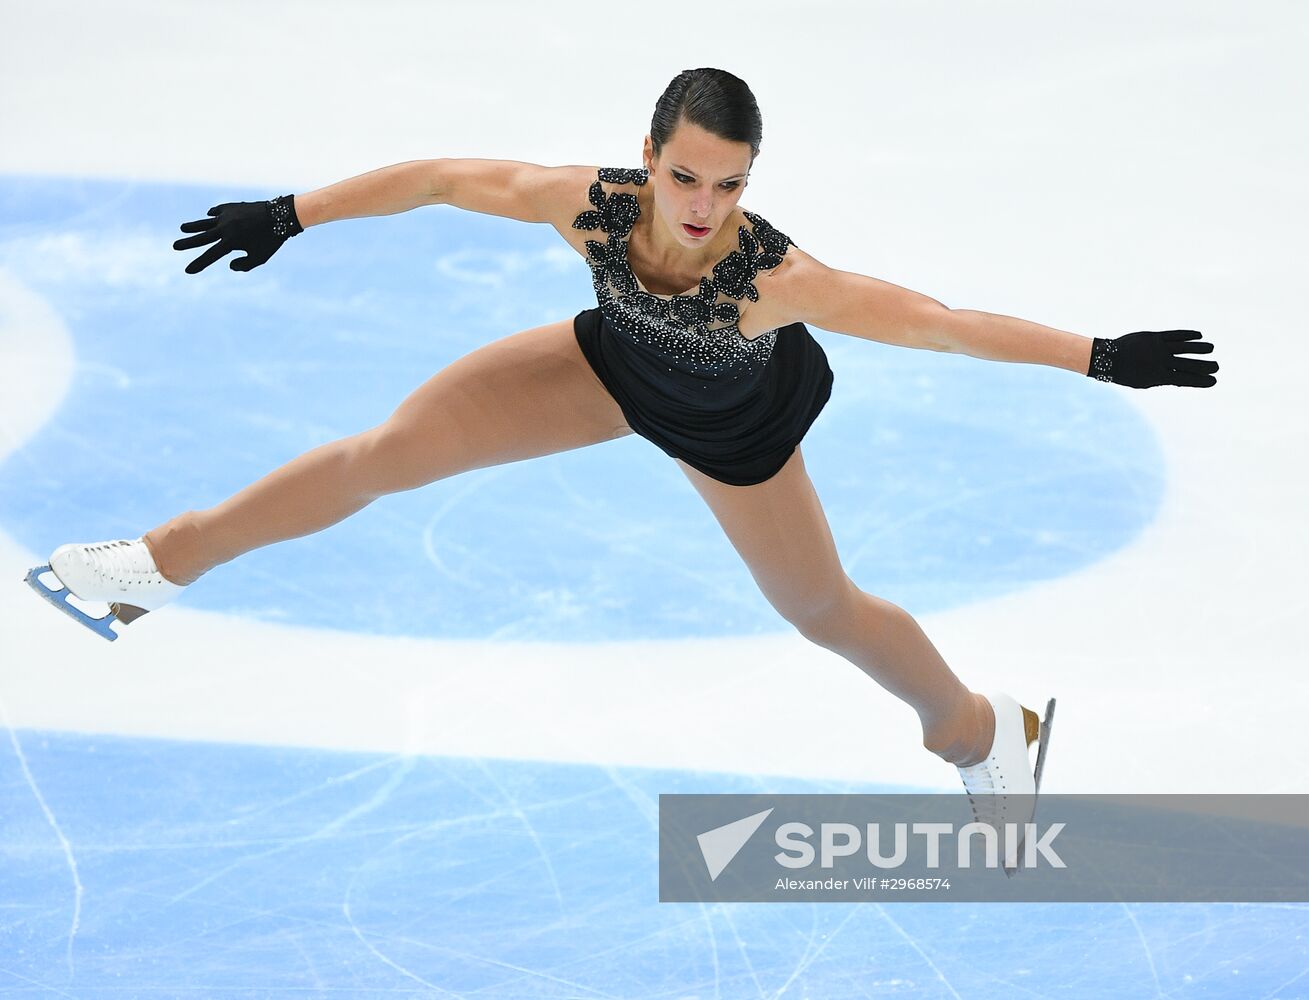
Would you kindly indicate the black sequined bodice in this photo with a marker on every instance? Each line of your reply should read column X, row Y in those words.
column 695, row 335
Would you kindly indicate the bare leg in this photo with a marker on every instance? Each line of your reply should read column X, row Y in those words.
column 888, row 644
column 305, row 495
column 520, row 397
column 779, row 529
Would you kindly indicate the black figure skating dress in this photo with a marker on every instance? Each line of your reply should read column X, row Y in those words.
column 684, row 376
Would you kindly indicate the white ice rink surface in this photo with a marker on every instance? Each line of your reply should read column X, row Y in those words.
column 996, row 161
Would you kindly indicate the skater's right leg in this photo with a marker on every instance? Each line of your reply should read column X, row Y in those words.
column 526, row 395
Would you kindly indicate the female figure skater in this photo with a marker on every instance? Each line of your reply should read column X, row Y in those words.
column 698, row 343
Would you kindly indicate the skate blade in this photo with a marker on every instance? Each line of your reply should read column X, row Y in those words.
column 126, row 613
column 1043, row 741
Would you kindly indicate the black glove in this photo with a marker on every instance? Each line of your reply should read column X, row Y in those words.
column 1149, row 358
column 257, row 227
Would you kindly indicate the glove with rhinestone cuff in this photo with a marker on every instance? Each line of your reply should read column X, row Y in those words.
column 1151, row 357
column 257, row 227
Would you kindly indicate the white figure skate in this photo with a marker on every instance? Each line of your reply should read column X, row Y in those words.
column 121, row 572
column 1003, row 787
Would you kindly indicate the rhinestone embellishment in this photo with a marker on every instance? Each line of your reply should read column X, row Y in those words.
column 1102, row 359
column 285, row 224
column 697, row 331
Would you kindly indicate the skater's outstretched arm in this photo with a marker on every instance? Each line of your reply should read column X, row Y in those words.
column 513, row 189
column 807, row 291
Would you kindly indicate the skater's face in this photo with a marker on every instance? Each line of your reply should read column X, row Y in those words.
column 698, row 178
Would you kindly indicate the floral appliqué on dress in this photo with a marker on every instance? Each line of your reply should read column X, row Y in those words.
column 698, row 329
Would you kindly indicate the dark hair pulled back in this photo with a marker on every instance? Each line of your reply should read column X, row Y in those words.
column 713, row 99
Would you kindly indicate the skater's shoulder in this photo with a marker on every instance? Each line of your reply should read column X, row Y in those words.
column 565, row 191
column 606, row 188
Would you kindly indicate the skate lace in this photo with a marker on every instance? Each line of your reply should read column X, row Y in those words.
column 120, row 561
column 980, row 784
column 978, row 778
column 989, row 803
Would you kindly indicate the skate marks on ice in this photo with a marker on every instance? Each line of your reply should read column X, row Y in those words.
column 207, row 866
column 64, row 845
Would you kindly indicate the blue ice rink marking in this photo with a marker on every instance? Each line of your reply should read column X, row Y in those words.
column 946, row 479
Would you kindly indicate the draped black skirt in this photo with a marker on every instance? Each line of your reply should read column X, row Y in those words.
column 739, row 437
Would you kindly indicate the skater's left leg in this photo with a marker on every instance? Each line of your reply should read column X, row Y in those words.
column 778, row 527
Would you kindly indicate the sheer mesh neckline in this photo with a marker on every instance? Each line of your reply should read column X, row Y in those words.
column 665, row 295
